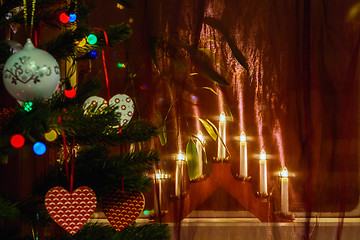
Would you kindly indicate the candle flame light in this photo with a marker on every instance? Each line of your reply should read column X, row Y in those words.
column 179, row 174
column 284, row 173
column 284, row 190
column 263, row 173
column 263, row 155
column 180, row 156
column 242, row 137
column 222, row 117
column 222, row 137
column 200, row 137
column 243, row 156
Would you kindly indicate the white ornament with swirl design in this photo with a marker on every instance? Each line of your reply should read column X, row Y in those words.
column 31, row 73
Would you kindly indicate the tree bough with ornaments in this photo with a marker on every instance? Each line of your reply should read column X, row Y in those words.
column 94, row 168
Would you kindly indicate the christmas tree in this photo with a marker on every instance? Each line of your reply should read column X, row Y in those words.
column 85, row 143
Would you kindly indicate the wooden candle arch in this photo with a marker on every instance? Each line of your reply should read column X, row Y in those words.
column 221, row 176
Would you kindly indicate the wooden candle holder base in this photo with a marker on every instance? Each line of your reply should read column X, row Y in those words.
column 243, row 179
column 221, row 176
column 199, row 179
column 220, row 160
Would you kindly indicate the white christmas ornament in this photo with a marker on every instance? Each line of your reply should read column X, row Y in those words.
column 31, row 73
column 123, row 103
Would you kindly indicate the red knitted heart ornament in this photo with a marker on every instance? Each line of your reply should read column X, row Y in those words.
column 70, row 210
column 121, row 210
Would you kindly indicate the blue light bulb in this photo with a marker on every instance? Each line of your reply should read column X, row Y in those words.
column 39, row 148
column 92, row 54
column 72, row 17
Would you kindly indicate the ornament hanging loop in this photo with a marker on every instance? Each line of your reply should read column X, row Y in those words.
column 29, row 33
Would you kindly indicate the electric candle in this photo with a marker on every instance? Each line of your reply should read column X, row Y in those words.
column 284, row 190
column 243, row 156
column 179, row 173
column 159, row 178
column 199, row 148
column 263, row 173
column 222, row 135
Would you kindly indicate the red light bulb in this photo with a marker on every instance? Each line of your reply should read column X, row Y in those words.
column 17, row 141
column 70, row 93
column 64, row 18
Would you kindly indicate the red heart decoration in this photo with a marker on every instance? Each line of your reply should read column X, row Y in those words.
column 122, row 209
column 70, row 210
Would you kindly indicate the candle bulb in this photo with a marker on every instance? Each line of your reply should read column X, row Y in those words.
column 243, row 156
column 159, row 176
column 179, row 173
column 199, row 148
column 284, row 190
column 222, row 135
column 263, row 173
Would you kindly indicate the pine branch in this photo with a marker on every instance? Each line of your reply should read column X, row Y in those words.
column 48, row 13
column 152, row 231
column 138, row 131
column 9, row 5
column 66, row 44
column 94, row 231
column 100, row 127
column 95, row 169
column 7, row 210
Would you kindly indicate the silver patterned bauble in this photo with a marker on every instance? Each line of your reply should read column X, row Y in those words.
column 31, row 73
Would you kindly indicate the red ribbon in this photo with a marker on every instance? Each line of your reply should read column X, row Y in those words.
column 122, row 185
column 37, row 34
column 72, row 166
column 65, row 149
column 104, row 61
column 36, row 38
column 71, row 177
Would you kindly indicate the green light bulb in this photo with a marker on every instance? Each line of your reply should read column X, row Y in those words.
column 92, row 39
column 28, row 106
column 121, row 65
